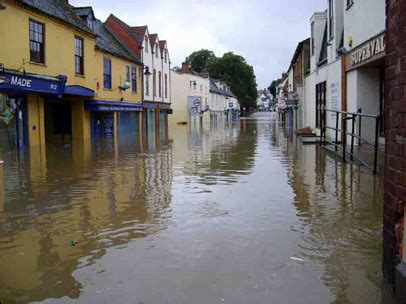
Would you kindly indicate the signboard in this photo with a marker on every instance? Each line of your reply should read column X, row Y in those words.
column 282, row 103
column 194, row 104
column 31, row 83
column 334, row 98
column 231, row 104
column 367, row 52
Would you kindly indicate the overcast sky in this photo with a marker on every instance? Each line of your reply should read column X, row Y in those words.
column 265, row 32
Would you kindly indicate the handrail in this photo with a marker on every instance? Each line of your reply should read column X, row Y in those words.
column 343, row 133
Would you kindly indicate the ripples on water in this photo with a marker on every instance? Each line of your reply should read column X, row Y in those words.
column 240, row 214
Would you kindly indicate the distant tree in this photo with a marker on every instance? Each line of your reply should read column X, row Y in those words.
column 176, row 69
column 201, row 60
column 239, row 75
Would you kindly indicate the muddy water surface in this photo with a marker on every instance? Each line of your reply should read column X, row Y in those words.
column 224, row 214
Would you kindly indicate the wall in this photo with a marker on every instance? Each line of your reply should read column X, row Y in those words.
column 363, row 20
column 166, row 70
column 181, row 88
column 395, row 138
column 319, row 20
column 147, row 61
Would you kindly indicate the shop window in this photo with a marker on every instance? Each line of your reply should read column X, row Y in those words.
column 320, row 103
column 79, row 63
column 134, row 78
column 107, row 73
column 37, row 42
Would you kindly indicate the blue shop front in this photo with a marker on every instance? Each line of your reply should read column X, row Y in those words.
column 21, row 106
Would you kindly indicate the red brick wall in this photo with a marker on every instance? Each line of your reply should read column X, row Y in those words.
column 395, row 119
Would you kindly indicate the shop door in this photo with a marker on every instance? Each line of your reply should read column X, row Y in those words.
column 127, row 125
column 102, row 125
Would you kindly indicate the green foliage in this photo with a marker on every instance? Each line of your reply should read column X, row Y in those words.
column 232, row 69
column 201, row 60
column 273, row 87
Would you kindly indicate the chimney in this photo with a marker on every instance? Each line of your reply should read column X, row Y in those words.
column 185, row 67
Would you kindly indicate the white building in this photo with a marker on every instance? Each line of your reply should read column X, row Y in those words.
column 223, row 104
column 190, row 93
column 347, row 44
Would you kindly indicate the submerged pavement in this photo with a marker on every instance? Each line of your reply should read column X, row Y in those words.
column 238, row 213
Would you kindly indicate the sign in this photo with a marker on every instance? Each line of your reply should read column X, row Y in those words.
column 334, row 98
column 282, row 103
column 231, row 104
column 194, row 104
column 368, row 51
column 32, row 83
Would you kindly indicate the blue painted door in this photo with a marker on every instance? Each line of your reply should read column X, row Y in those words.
column 102, row 125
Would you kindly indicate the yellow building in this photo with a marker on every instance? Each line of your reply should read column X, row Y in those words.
column 64, row 77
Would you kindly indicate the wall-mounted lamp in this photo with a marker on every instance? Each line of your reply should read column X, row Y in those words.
column 147, row 73
column 193, row 82
column 125, row 86
column 350, row 41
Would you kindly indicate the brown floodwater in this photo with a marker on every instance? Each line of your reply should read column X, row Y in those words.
column 238, row 213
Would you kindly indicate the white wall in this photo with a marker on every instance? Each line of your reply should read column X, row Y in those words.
column 182, row 88
column 363, row 20
column 147, row 60
column 319, row 20
column 166, row 70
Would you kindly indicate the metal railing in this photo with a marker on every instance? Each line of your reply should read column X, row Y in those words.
column 341, row 134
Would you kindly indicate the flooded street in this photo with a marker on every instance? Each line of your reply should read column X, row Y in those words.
column 242, row 213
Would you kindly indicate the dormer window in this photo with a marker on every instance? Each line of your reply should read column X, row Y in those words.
column 90, row 22
column 146, row 44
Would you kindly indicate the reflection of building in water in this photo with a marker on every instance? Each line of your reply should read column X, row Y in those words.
column 69, row 216
column 340, row 207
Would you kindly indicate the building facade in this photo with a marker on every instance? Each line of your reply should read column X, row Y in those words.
column 64, row 77
column 154, row 55
column 394, row 253
column 223, row 104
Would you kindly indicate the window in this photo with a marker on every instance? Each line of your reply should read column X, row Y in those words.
column 89, row 22
column 79, row 64
column 160, row 84
column 146, row 44
column 312, row 38
column 37, row 42
column 154, row 82
column 331, row 18
column 350, row 3
column 166, row 85
column 166, row 56
column 134, row 78
column 127, row 73
column 146, row 85
column 320, row 103
column 107, row 73
column 156, row 50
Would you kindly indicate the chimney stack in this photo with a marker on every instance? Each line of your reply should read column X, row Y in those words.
column 185, row 67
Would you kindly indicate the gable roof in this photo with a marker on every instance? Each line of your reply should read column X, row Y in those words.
column 84, row 11
column 59, row 9
column 107, row 42
column 138, row 33
column 215, row 89
column 162, row 45
column 152, row 39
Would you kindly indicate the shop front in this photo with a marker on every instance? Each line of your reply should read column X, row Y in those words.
column 365, row 70
column 22, row 106
column 110, row 119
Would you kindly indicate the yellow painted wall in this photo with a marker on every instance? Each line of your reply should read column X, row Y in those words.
column 36, row 129
column 59, row 53
column 80, row 121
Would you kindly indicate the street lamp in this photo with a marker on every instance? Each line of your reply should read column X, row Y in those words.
column 146, row 71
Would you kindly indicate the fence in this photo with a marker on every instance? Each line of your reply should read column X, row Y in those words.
column 342, row 133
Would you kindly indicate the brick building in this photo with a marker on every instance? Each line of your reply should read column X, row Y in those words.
column 395, row 175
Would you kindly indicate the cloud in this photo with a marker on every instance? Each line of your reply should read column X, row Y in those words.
column 266, row 33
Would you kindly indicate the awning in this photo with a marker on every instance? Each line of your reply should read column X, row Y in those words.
column 78, row 91
column 17, row 82
column 111, row 106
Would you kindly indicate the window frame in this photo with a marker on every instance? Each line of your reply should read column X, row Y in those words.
column 109, row 86
column 166, row 85
column 312, row 48
column 127, row 73
column 331, row 19
column 156, row 50
column 81, row 57
column 154, row 83
column 41, row 44
column 159, row 84
column 146, row 41
column 134, row 78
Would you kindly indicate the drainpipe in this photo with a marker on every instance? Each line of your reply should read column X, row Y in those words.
column 344, row 101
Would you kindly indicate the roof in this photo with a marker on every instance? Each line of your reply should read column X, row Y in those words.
column 162, row 44
column 152, row 38
column 59, row 9
column 107, row 42
column 215, row 89
column 138, row 32
column 84, row 11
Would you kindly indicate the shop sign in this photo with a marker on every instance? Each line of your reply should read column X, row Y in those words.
column 368, row 51
column 10, row 81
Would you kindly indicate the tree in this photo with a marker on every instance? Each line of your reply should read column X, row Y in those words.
column 239, row 75
column 201, row 60
column 273, row 87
